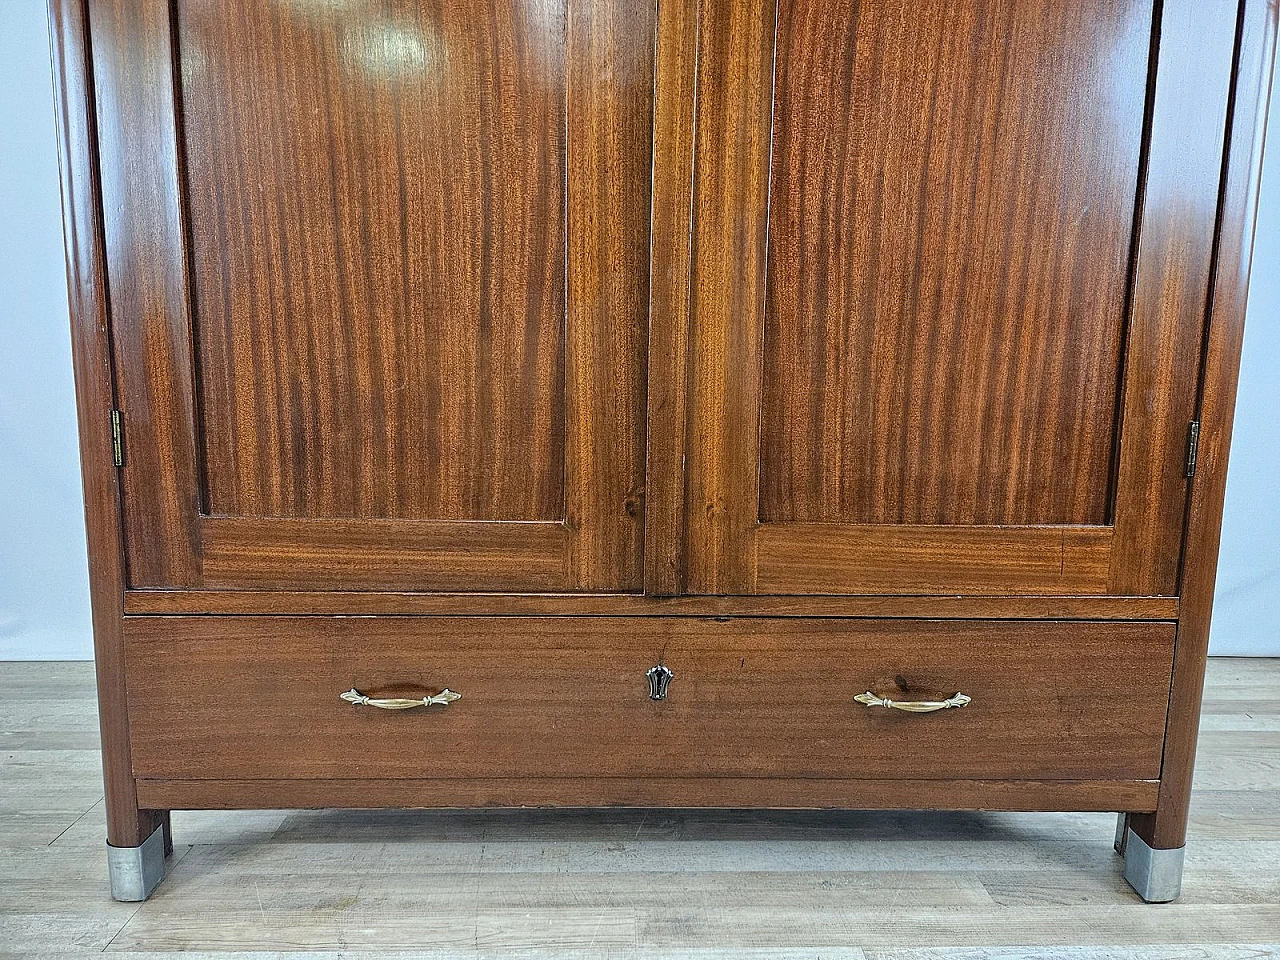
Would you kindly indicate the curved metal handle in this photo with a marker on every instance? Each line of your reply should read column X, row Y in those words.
column 441, row 699
column 869, row 699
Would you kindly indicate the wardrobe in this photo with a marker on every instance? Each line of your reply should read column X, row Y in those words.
column 672, row 403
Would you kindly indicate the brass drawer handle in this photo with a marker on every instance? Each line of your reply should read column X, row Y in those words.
column 441, row 699
column 869, row 699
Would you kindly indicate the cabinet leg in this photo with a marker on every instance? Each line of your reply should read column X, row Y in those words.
column 1155, row 874
column 135, row 871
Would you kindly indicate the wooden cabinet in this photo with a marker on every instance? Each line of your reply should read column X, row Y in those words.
column 805, row 350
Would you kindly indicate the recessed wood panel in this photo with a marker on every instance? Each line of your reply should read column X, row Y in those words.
column 376, row 208
column 950, row 231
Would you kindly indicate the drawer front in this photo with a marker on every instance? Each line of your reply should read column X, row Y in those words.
column 259, row 698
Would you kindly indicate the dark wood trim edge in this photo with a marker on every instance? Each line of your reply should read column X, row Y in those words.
column 127, row 825
column 1167, row 828
column 317, row 603
column 739, row 793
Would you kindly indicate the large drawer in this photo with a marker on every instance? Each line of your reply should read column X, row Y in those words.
column 255, row 698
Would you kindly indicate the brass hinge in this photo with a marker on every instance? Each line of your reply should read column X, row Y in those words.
column 117, row 438
column 1193, row 448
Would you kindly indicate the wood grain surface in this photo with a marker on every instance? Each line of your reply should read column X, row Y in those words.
column 1172, row 277
column 382, row 265
column 950, row 228
column 799, row 558
column 609, row 176
column 241, row 552
column 258, row 698
column 817, row 793
column 377, row 217
column 669, row 309
column 895, row 322
column 731, row 189
column 143, row 236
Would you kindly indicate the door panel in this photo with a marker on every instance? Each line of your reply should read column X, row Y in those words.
column 379, row 289
column 421, row 153
column 949, row 276
column 925, row 361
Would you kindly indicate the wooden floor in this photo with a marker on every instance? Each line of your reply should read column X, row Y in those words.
column 631, row 884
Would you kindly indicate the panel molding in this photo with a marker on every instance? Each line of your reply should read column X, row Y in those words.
column 828, row 558
column 384, row 554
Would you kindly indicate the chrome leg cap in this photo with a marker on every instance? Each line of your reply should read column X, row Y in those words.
column 1156, row 875
column 1122, row 832
column 136, row 871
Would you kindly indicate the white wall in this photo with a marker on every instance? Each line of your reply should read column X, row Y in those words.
column 1246, row 616
column 44, row 592
column 43, row 583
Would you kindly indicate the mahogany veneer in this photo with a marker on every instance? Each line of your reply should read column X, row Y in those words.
column 256, row 698
column 805, row 349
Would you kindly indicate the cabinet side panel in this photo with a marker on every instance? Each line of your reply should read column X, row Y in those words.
column 90, row 340
column 1253, row 84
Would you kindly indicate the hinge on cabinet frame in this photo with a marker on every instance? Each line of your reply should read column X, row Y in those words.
column 1193, row 448
column 117, row 438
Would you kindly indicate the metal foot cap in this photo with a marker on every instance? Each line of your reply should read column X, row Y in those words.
column 136, row 871
column 1156, row 875
column 1122, row 832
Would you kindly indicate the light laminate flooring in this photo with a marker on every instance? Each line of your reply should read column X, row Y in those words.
column 632, row 884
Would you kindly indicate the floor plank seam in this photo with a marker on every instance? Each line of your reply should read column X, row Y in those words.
column 69, row 826
column 114, row 936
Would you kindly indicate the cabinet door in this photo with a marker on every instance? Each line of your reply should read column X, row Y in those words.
column 379, row 279
column 949, row 273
